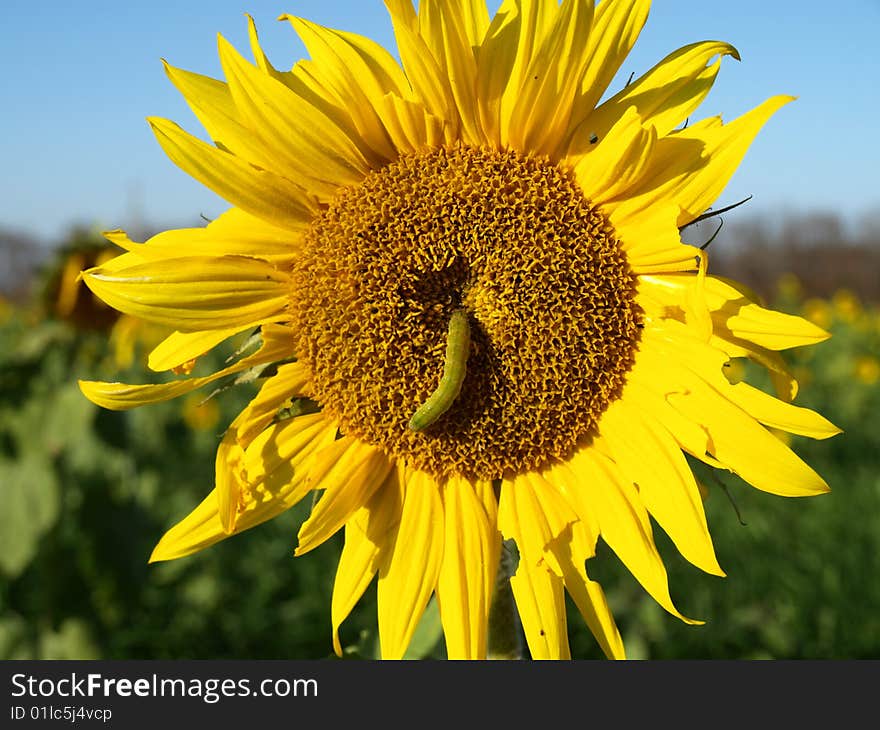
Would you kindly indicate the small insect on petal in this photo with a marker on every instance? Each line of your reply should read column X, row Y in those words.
column 458, row 345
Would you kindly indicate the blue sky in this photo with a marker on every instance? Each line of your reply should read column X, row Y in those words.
column 80, row 78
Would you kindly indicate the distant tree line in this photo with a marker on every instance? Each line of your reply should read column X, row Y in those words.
column 823, row 253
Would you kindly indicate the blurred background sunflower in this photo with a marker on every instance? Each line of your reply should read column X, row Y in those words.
column 88, row 492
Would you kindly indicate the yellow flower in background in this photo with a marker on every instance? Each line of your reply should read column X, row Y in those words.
column 818, row 311
column 466, row 237
column 847, row 307
column 867, row 369
column 200, row 414
column 789, row 286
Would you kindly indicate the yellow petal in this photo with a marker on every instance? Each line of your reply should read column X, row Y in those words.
column 349, row 471
column 778, row 414
column 360, row 73
column 410, row 125
column 570, row 541
column 736, row 439
column 533, row 22
column 540, row 118
column 652, row 241
column 445, row 25
column 290, row 444
column 403, row 13
column 467, row 573
column 291, row 380
column 748, row 449
column 651, row 395
column 623, row 522
column 121, row 396
column 229, row 477
column 784, row 382
column 618, row 160
column 369, row 540
column 194, row 292
column 590, row 599
column 233, row 233
column 181, row 347
column 231, row 474
column 706, row 362
column 308, row 142
column 664, row 96
column 357, row 566
column 278, row 460
column 212, row 104
column 540, row 600
column 737, row 317
column 616, row 27
column 649, row 457
column 521, row 518
column 408, row 579
column 259, row 192
column 693, row 166
column 495, row 61
column 429, row 84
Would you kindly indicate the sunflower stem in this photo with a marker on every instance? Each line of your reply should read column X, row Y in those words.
column 505, row 637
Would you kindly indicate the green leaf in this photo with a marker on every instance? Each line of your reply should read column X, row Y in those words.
column 31, row 502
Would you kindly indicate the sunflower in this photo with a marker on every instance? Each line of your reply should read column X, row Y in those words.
column 477, row 318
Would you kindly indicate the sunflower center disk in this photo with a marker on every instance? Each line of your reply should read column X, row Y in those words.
column 510, row 238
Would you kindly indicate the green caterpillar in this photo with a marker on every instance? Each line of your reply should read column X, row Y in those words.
column 458, row 345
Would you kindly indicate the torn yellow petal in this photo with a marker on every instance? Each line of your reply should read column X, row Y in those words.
column 652, row 241
column 290, row 444
column 181, row 347
column 623, row 522
column 409, row 124
column 349, row 471
column 693, row 166
column 739, row 318
column 650, row 458
column 617, row 160
column 537, row 587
